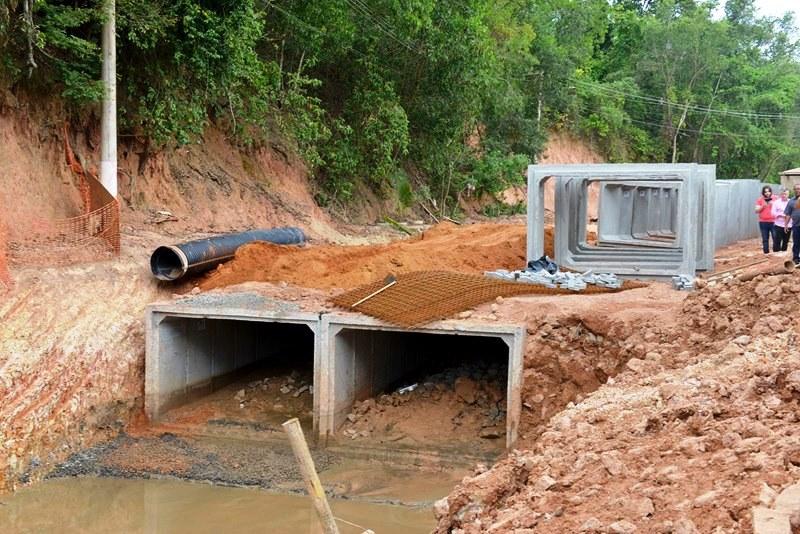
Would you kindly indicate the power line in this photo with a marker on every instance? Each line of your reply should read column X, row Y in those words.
column 314, row 29
column 383, row 23
column 702, row 109
column 586, row 108
column 382, row 26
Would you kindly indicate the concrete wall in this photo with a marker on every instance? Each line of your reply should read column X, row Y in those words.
column 789, row 181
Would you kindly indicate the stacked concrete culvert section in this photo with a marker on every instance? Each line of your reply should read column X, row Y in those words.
column 638, row 214
column 734, row 219
column 654, row 220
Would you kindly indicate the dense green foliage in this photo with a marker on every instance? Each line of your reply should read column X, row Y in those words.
column 433, row 98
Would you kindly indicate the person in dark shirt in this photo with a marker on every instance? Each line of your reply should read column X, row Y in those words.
column 793, row 213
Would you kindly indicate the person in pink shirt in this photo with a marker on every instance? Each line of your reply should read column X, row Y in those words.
column 765, row 219
column 782, row 223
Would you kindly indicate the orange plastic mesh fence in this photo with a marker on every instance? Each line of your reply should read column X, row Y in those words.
column 5, row 277
column 91, row 236
column 424, row 296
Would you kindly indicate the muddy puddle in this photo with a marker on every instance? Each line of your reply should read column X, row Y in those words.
column 100, row 505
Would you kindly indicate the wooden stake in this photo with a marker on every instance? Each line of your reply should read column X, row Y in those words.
column 388, row 282
column 313, row 485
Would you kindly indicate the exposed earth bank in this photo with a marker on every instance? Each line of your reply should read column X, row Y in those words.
column 698, row 429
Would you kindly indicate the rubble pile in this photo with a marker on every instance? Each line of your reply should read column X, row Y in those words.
column 763, row 306
column 562, row 279
column 567, row 358
column 461, row 402
column 284, row 393
column 695, row 434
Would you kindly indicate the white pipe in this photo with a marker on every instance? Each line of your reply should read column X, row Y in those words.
column 108, row 150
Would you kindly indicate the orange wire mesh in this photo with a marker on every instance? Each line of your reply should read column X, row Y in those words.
column 424, row 296
column 5, row 277
column 75, row 166
column 91, row 236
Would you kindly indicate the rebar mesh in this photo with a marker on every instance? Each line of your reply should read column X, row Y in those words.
column 424, row 296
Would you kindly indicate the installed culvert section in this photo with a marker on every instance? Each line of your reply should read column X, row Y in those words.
column 366, row 359
column 190, row 354
column 196, row 346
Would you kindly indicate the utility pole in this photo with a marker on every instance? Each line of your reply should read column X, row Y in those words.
column 108, row 150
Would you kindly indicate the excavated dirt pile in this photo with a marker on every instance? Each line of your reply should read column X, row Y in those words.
column 466, row 248
column 699, row 428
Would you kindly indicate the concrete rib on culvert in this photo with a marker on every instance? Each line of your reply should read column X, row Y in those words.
column 625, row 215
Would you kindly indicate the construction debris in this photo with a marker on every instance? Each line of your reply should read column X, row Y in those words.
column 558, row 279
column 683, row 282
column 467, row 401
column 696, row 434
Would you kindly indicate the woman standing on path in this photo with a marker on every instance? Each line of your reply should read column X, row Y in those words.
column 765, row 219
column 780, row 232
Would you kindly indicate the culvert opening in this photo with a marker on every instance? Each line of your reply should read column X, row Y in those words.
column 421, row 390
column 168, row 263
column 240, row 374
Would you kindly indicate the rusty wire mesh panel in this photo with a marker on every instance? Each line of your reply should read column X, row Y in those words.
column 91, row 236
column 424, row 296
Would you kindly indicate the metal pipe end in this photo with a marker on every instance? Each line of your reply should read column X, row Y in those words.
column 168, row 262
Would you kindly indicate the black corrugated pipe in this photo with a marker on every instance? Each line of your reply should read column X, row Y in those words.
column 171, row 262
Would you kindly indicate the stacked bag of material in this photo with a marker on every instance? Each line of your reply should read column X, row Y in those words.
column 545, row 272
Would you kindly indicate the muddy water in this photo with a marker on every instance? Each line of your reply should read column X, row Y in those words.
column 102, row 505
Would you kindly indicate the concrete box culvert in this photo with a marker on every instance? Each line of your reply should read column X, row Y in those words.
column 191, row 352
column 623, row 221
column 363, row 356
column 692, row 217
column 572, row 250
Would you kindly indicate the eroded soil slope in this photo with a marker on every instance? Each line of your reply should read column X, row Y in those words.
column 687, row 438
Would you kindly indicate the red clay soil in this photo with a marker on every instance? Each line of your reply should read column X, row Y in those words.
column 469, row 249
column 697, row 428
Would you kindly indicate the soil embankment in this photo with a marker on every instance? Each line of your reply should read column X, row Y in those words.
column 470, row 248
column 683, row 440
